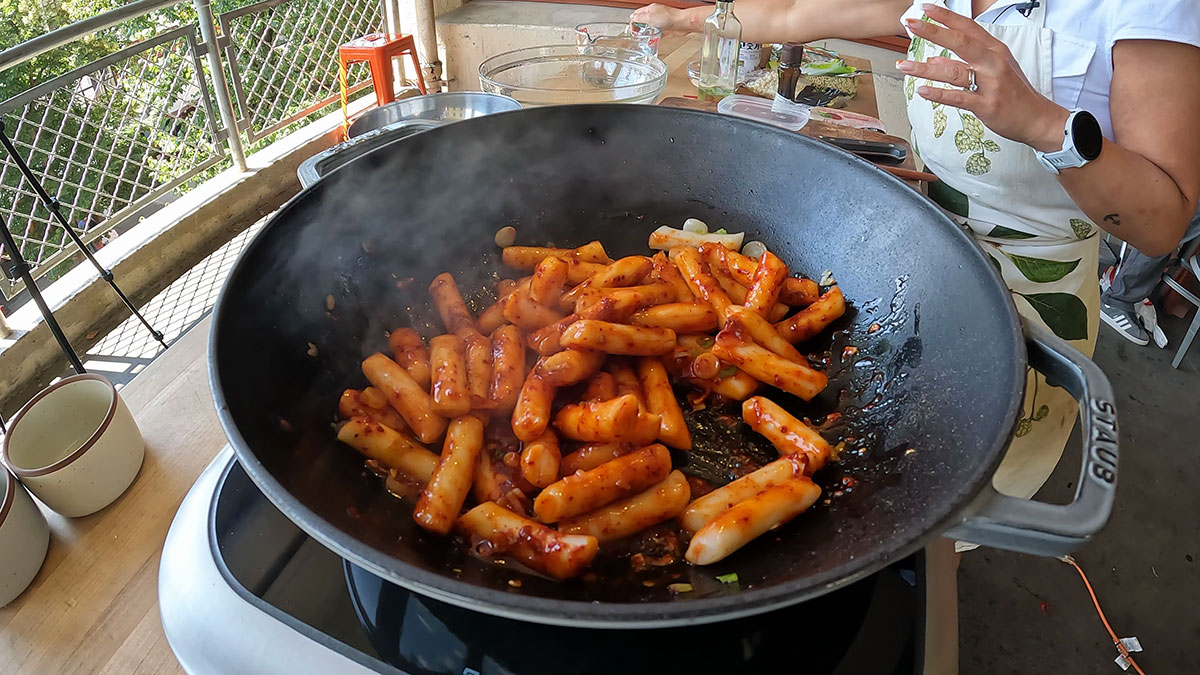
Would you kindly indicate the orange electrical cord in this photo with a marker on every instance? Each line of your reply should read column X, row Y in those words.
column 1116, row 640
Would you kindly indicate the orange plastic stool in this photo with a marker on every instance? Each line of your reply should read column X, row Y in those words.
column 378, row 50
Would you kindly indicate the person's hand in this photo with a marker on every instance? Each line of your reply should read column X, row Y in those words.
column 1003, row 100
column 669, row 19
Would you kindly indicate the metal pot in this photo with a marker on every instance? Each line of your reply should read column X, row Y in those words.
column 319, row 165
column 930, row 400
column 450, row 106
column 400, row 119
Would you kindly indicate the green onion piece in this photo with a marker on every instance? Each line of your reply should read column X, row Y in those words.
column 706, row 342
column 727, row 372
column 834, row 67
column 679, row 588
column 722, row 231
column 731, row 578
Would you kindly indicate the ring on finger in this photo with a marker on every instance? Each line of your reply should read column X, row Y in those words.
column 971, row 85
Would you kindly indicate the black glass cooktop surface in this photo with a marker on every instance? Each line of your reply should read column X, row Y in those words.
column 867, row 628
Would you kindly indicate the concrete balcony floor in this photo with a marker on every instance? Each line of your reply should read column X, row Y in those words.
column 129, row 348
column 1024, row 614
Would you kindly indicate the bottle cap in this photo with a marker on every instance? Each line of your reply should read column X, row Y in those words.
column 791, row 53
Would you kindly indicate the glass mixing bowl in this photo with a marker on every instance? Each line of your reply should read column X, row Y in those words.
column 563, row 74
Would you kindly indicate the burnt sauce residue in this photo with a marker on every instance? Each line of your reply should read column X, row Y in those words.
column 866, row 354
column 867, row 362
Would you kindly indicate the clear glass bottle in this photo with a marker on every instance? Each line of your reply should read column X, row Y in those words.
column 719, row 53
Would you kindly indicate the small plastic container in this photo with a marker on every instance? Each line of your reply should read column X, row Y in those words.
column 790, row 116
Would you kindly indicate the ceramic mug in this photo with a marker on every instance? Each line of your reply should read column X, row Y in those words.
column 75, row 445
column 24, row 538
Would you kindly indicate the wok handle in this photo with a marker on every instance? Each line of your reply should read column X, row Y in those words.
column 1038, row 528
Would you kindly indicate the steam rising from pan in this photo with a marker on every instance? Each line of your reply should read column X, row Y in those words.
column 569, row 175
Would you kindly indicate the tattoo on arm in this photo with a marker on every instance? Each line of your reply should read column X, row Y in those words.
column 1113, row 219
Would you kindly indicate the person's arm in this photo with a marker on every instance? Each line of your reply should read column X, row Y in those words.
column 1145, row 185
column 789, row 20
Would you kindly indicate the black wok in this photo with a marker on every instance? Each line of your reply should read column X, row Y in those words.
column 930, row 400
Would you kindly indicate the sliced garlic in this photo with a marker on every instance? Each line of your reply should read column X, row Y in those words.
column 666, row 238
column 506, row 236
column 754, row 249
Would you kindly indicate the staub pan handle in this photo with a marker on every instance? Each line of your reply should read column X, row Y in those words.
column 1038, row 528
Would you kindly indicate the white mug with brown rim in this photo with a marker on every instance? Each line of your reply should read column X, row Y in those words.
column 75, row 445
column 24, row 538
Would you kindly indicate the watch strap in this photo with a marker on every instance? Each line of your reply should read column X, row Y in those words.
column 1067, row 158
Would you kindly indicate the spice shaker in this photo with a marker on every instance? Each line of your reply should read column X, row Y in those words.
column 749, row 54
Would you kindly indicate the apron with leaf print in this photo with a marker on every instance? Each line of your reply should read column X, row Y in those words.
column 1044, row 247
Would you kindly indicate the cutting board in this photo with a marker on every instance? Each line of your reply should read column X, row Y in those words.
column 815, row 128
column 678, row 50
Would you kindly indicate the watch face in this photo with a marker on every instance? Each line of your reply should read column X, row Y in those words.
column 1085, row 131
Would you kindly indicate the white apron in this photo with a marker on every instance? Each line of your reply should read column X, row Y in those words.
column 1043, row 245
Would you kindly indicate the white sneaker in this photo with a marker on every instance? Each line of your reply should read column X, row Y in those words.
column 1126, row 324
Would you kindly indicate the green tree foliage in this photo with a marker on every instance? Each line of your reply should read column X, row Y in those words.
column 107, row 139
column 21, row 20
column 98, row 142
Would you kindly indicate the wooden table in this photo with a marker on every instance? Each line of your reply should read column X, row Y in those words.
column 94, row 606
column 679, row 50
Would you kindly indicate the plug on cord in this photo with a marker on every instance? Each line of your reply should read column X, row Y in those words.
column 1125, row 646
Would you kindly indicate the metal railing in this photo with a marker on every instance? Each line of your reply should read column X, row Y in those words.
column 283, row 57
column 150, row 119
column 108, row 138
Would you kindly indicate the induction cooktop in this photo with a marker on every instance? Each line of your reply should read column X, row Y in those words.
column 244, row 590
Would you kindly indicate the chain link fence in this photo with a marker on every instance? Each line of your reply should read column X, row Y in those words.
column 112, row 136
column 283, row 57
column 106, row 138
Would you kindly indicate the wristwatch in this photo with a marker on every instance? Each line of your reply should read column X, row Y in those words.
column 1082, row 140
